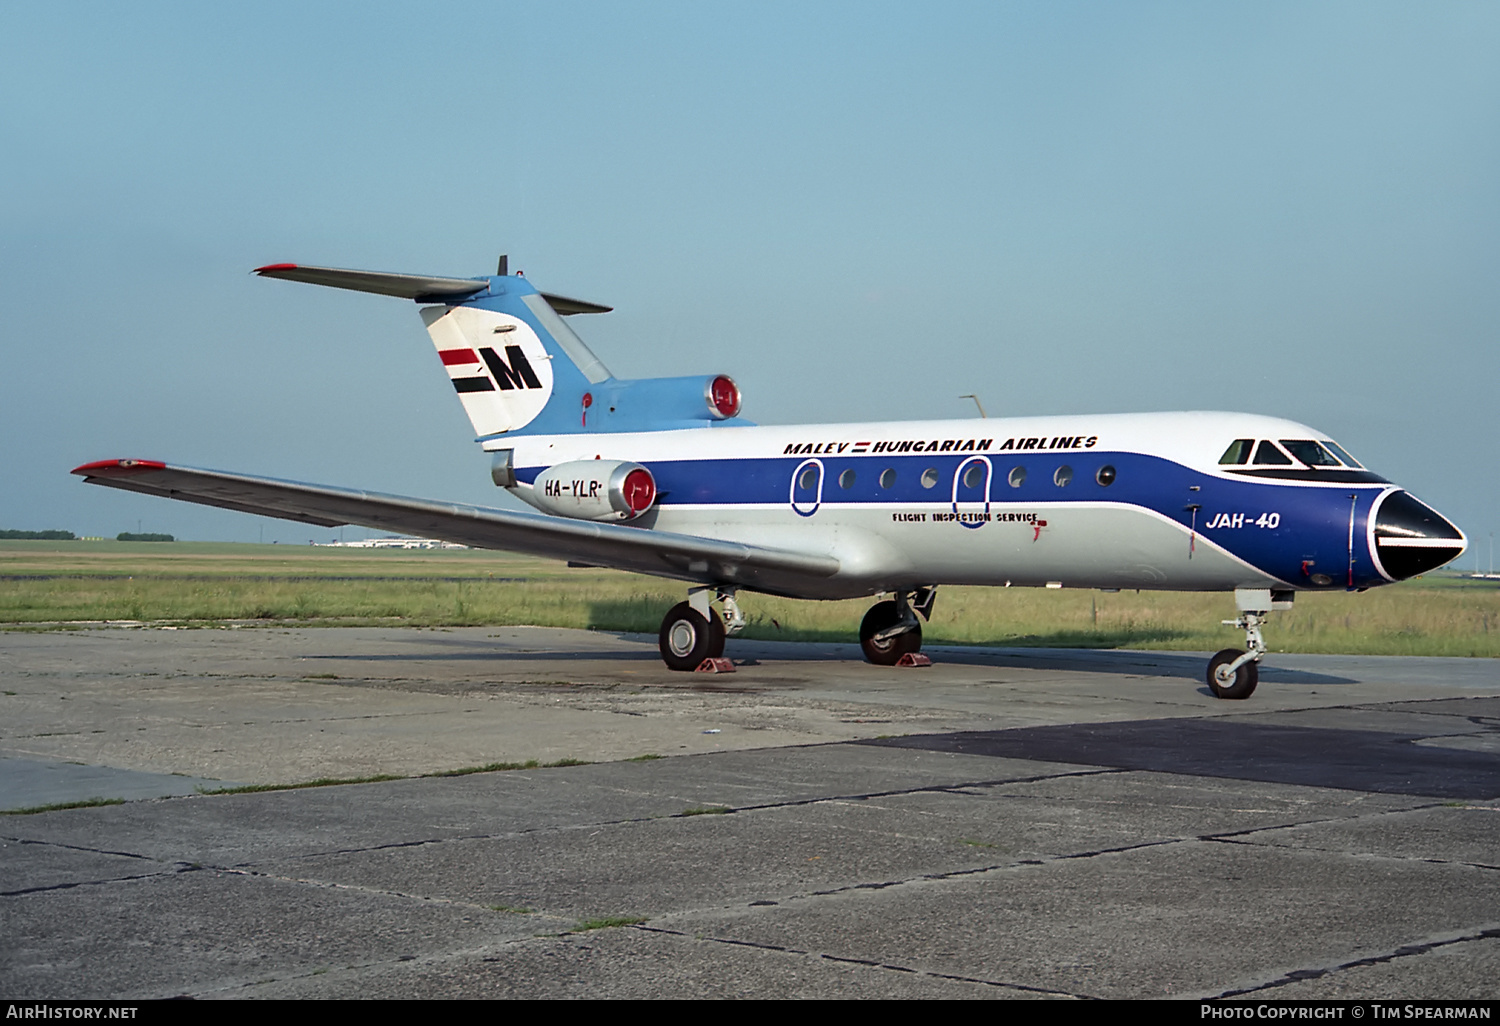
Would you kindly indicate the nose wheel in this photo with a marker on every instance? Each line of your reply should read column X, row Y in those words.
column 1230, row 675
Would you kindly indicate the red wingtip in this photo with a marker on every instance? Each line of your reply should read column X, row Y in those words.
column 274, row 267
column 114, row 468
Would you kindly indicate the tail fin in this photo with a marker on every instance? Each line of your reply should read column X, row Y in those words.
column 501, row 371
column 518, row 368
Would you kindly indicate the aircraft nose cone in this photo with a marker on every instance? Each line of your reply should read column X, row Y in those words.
column 1412, row 538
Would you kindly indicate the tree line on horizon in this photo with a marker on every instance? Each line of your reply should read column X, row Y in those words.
column 70, row 536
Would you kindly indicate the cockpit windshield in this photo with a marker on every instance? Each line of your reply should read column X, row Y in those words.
column 1341, row 454
column 1310, row 452
column 1268, row 455
column 1294, row 459
column 1316, row 454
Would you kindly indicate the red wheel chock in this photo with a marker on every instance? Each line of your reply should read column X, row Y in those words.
column 719, row 665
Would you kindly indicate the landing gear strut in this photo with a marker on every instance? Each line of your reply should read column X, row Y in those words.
column 890, row 630
column 693, row 631
column 1234, row 672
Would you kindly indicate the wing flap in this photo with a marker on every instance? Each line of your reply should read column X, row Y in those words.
column 660, row 553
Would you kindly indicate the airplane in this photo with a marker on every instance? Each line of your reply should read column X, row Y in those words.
column 663, row 476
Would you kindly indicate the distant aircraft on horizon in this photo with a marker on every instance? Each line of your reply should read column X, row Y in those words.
column 662, row 476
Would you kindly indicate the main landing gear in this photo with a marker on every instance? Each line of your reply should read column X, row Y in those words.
column 693, row 631
column 1234, row 672
column 891, row 630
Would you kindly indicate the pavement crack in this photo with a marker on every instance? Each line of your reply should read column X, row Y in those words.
column 1404, row 951
column 70, row 884
column 958, row 874
column 871, row 963
column 387, row 892
column 1232, row 836
column 965, row 789
column 1120, row 849
column 1385, row 856
column 1243, row 837
column 81, row 847
column 760, row 807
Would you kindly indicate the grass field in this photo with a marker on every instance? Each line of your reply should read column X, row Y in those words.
column 185, row 583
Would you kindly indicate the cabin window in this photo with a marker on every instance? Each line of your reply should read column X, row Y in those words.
column 1310, row 452
column 1267, row 453
column 1238, row 452
column 929, row 477
column 1017, row 477
column 1106, row 476
column 809, row 478
column 974, row 476
column 846, row 479
column 888, row 477
column 1062, row 477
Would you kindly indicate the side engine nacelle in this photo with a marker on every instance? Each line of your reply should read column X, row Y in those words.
column 595, row 490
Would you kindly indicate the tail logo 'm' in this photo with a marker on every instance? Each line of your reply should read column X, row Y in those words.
column 503, row 382
column 517, row 375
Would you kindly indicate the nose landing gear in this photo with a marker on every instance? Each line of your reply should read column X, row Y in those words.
column 1234, row 672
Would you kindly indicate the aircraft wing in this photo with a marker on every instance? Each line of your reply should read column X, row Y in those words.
column 662, row 554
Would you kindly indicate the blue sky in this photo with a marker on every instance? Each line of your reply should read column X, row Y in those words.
column 861, row 211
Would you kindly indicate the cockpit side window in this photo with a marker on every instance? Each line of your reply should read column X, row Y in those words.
column 1310, row 452
column 1267, row 453
column 1338, row 451
column 1238, row 452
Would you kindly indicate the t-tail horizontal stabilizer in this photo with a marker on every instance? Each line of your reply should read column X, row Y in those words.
column 420, row 287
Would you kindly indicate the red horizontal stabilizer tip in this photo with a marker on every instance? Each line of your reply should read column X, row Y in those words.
column 274, row 267
column 114, row 468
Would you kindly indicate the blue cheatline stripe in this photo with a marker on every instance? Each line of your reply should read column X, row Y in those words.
column 1301, row 525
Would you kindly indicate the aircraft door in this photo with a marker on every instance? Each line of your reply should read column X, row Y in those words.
column 971, row 491
column 807, row 487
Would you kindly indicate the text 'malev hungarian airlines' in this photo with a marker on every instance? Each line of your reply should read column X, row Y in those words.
column 662, row 476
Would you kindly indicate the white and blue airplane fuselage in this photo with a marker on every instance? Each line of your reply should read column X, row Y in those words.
column 662, row 476
column 1107, row 501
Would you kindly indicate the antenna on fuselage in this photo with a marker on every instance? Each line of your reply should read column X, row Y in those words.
column 977, row 403
column 504, row 268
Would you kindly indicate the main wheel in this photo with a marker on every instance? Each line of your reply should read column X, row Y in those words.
column 1239, row 684
column 687, row 639
column 882, row 616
